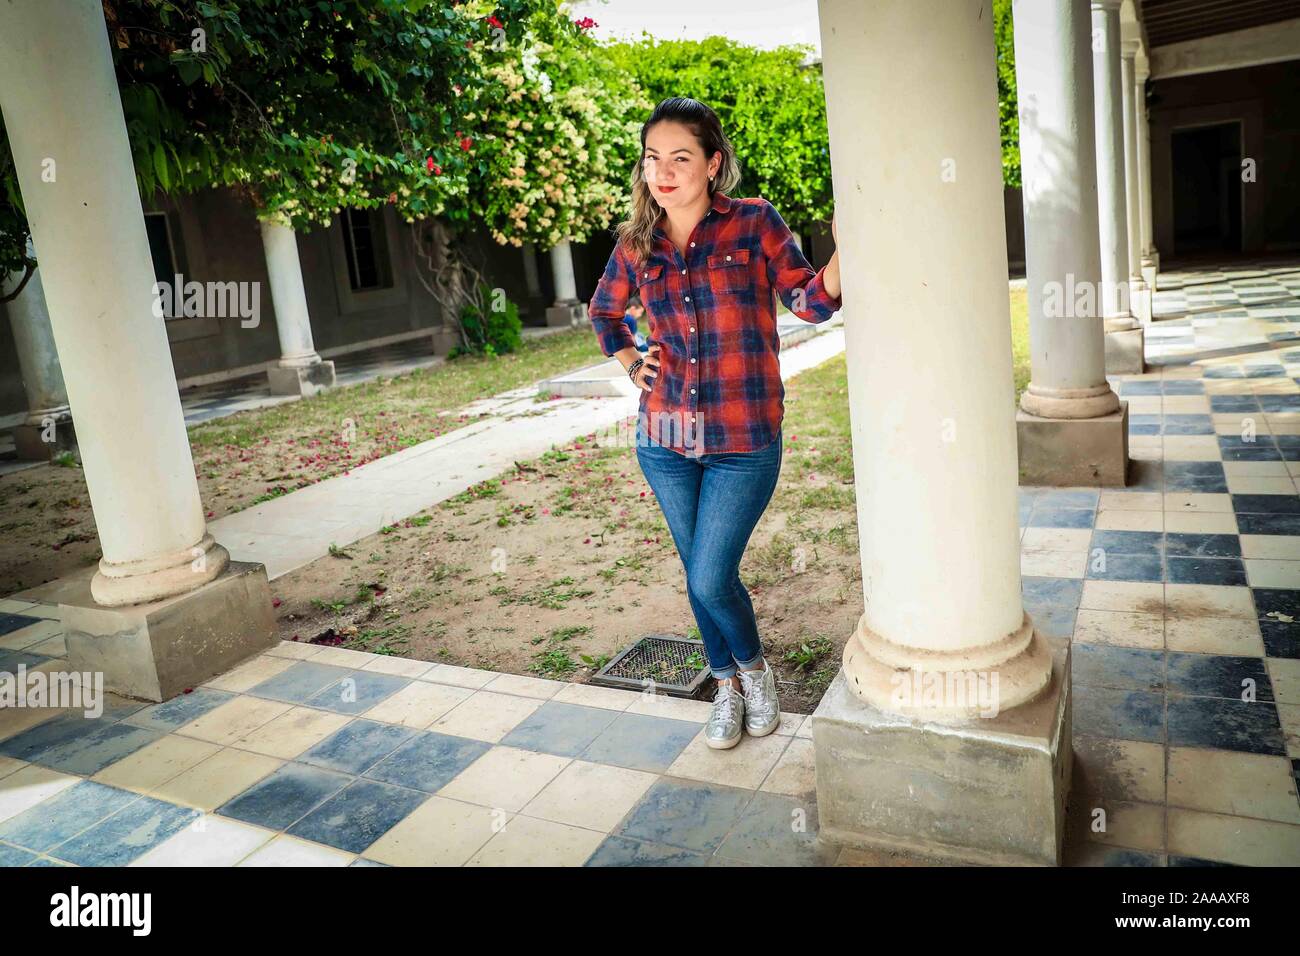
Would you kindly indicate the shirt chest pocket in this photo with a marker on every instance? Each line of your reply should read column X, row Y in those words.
column 652, row 287
column 729, row 272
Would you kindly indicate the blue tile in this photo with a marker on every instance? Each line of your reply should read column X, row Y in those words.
column 682, row 813
column 1126, row 567
column 562, row 729
column 1045, row 517
column 1234, row 403
column 180, row 710
column 1067, row 498
column 10, row 661
column 1229, row 572
column 641, row 743
column 1126, row 714
column 298, row 683
column 1176, row 860
column 279, row 800
column 1280, row 403
column 15, row 856
column 361, row 861
column 1189, row 425
column 1265, row 371
column 620, row 851
column 14, row 622
column 1198, row 545
column 1125, row 668
column 1199, row 477
column 1268, row 524
column 1219, row 724
column 1217, row 675
column 1234, row 448
column 1150, row 543
column 1139, row 388
column 1042, row 592
column 1266, row 504
column 127, row 834
column 1277, row 603
column 358, row 816
column 92, row 752
column 1183, row 386
column 33, row 742
column 64, row 815
column 428, row 762
column 1224, row 371
column 777, row 830
column 357, row 746
column 357, row 692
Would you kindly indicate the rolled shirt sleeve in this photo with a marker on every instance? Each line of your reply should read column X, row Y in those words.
column 609, row 304
column 790, row 273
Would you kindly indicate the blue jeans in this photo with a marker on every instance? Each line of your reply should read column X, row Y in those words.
column 712, row 504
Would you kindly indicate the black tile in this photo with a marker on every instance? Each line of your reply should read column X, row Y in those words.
column 1111, row 712
column 13, row 622
column 1150, row 543
column 1224, row 571
column 1281, row 639
column 1125, row 567
column 1203, row 545
column 1218, row 675
column 1045, row 517
column 1266, row 504
column 1275, row 603
column 1219, row 724
column 1268, row 524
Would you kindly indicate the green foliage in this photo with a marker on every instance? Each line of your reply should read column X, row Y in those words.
column 489, row 330
column 1008, row 117
column 771, row 104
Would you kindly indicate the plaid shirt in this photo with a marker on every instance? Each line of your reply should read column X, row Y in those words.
column 719, row 386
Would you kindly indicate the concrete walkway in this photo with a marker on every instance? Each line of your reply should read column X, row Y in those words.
column 289, row 532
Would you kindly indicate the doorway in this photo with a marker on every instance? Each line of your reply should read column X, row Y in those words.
column 1207, row 189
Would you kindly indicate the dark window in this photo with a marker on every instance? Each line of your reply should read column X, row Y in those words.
column 367, row 250
column 164, row 258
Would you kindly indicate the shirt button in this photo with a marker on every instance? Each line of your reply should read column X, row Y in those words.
column 692, row 361
column 728, row 258
column 683, row 272
column 688, row 298
column 692, row 328
column 645, row 275
column 692, row 391
column 692, row 245
column 692, row 418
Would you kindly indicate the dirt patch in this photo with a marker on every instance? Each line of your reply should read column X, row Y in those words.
column 552, row 569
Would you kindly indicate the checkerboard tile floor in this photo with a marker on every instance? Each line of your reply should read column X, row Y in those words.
column 1205, row 310
column 1181, row 593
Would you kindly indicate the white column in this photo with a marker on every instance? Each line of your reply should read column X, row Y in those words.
column 38, row 357
column 1147, row 249
column 1139, row 301
column 566, row 289
column 288, row 295
column 64, row 118
column 928, row 352
column 1112, row 195
column 1058, row 162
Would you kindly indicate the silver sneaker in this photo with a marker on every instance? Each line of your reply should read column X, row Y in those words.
column 762, row 711
column 723, row 729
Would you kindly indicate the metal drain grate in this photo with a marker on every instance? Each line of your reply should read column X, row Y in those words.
column 672, row 665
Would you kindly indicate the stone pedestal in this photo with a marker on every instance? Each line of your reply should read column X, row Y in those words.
column 564, row 314
column 158, row 650
column 1125, row 352
column 981, row 790
column 1073, row 452
column 30, row 443
column 301, row 380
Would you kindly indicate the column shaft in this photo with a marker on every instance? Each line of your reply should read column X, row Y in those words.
column 1144, row 173
column 916, row 164
column 38, row 356
column 288, row 295
column 566, row 290
column 64, row 117
column 1112, row 196
column 1128, row 79
column 1062, row 249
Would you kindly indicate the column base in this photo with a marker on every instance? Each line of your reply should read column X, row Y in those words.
column 1149, row 272
column 156, row 651
column 307, row 380
column 444, row 339
column 1126, row 352
column 565, row 314
column 1140, row 301
column 985, row 791
column 30, row 443
column 1071, row 452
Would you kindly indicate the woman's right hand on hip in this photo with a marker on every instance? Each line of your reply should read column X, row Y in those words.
column 646, row 374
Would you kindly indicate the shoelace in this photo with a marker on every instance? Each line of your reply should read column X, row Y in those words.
column 724, row 704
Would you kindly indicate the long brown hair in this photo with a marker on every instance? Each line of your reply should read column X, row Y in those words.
column 637, row 233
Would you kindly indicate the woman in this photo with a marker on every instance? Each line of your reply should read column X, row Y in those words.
column 709, row 429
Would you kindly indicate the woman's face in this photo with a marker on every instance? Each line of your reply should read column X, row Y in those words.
column 674, row 165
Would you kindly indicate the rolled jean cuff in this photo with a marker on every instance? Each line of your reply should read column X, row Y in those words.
column 750, row 665
column 722, row 673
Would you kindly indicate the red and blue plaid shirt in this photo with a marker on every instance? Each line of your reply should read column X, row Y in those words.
column 719, row 386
